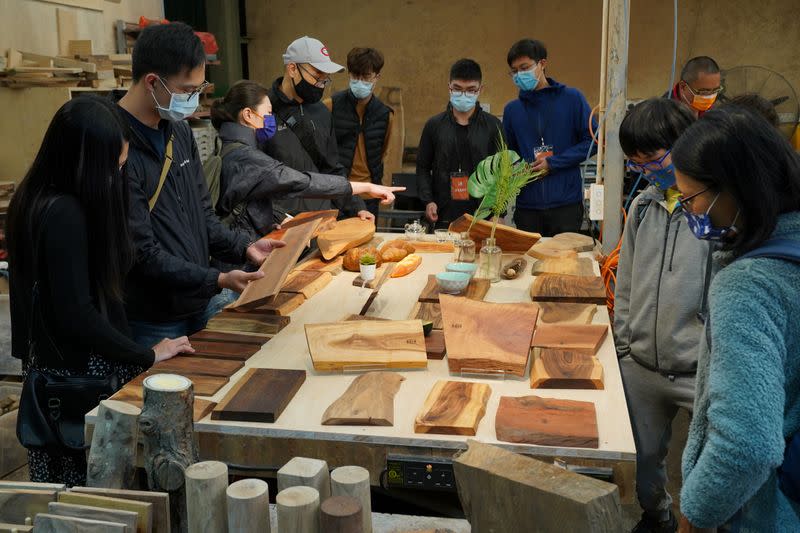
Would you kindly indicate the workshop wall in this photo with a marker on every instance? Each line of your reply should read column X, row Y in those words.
column 422, row 38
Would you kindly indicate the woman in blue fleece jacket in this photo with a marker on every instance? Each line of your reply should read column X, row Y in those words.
column 740, row 184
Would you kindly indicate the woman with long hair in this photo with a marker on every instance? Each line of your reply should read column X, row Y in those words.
column 69, row 253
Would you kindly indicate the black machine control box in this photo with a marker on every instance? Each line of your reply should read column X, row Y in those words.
column 424, row 473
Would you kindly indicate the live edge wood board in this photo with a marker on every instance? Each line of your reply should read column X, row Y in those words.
column 556, row 313
column 547, row 422
column 483, row 336
column 572, row 337
column 365, row 343
column 368, row 401
column 260, row 396
column 453, row 408
column 346, row 234
column 558, row 369
column 277, row 266
column 568, row 289
column 327, row 219
column 508, row 239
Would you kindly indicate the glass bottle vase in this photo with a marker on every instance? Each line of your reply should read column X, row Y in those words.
column 464, row 248
column 491, row 257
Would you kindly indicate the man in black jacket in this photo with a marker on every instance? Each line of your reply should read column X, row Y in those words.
column 305, row 139
column 173, row 226
column 452, row 145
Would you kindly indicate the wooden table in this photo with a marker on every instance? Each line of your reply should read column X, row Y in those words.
column 263, row 448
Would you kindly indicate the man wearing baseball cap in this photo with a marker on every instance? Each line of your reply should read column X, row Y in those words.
column 305, row 139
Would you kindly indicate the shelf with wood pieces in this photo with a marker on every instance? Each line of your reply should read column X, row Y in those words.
column 299, row 429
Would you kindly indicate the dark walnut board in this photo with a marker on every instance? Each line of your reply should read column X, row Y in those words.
column 260, row 396
column 568, row 289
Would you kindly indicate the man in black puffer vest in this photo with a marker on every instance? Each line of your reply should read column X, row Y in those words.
column 363, row 124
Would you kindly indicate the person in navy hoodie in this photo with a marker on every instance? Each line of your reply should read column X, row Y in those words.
column 547, row 125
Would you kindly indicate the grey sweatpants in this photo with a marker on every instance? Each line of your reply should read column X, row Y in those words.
column 653, row 401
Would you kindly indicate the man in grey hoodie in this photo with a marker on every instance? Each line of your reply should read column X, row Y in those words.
column 662, row 281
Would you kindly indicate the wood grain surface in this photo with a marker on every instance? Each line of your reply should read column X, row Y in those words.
column 476, row 290
column 327, row 219
column 583, row 338
column 427, row 312
column 508, row 239
column 225, row 350
column 282, row 304
column 159, row 500
column 247, row 323
column 346, row 234
column 453, row 408
column 260, row 396
column 144, row 524
column 435, row 345
column 368, row 401
column 568, row 266
column 484, row 336
column 203, row 385
column 551, row 249
column 18, row 504
column 432, row 247
column 565, row 313
column 51, row 523
column 199, row 366
column 568, row 289
column 578, row 241
column 389, row 343
column 547, row 422
column 559, row 369
column 306, row 282
column 223, row 337
column 315, row 262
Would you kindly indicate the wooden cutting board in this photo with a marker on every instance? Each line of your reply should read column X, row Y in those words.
column 260, row 396
column 327, row 219
column 551, row 249
column 368, row 401
column 453, row 408
column 556, row 313
column 484, row 336
column 427, row 312
column 282, row 304
column 434, row 344
column 569, row 266
column 557, row 369
column 476, row 290
column 568, row 289
column 547, row 422
column 346, row 234
column 383, row 343
column 222, row 337
column 432, row 247
column 583, row 338
column 134, row 395
column 578, row 241
column 306, row 282
column 223, row 350
column 379, row 275
column 277, row 266
column 203, row 385
column 315, row 262
column 234, row 322
column 199, row 366
column 508, row 239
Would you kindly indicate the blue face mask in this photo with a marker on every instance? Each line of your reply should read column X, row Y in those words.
column 526, row 80
column 181, row 106
column 663, row 178
column 361, row 89
column 268, row 131
column 702, row 228
column 463, row 102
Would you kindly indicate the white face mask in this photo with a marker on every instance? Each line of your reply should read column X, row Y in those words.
column 180, row 107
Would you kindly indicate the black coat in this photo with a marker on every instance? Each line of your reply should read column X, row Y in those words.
column 172, row 278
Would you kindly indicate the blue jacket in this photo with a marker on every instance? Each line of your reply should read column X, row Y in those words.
column 560, row 114
column 748, row 395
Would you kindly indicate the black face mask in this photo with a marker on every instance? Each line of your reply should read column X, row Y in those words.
column 308, row 92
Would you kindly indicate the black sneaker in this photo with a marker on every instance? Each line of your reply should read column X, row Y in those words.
column 649, row 525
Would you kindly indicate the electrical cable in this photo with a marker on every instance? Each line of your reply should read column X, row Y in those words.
column 674, row 46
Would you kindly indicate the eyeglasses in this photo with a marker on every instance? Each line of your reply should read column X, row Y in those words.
column 468, row 92
column 318, row 82
column 650, row 166
column 527, row 68
column 194, row 92
column 371, row 78
column 685, row 200
column 705, row 92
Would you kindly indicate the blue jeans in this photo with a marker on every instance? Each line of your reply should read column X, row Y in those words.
column 151, row 333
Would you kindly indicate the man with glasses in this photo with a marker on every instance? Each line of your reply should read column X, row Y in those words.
column 451, row 146
column 659, row 301
column 173, row 226
column 305, row 139
column 548, row 125
column 699, row 86
column 363, row 123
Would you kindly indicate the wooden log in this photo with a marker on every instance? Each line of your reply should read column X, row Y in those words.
column 50, row 523
column 170, row 444
column 112, row 457
column 530, row 495
column 159, row 502
column 353, row 481
column 128, row 518
column 306, row 472
column 298, row 510
column 143, row 510
column 248, row 506
column 206, row 483
column 368, row 401
column 341, row 514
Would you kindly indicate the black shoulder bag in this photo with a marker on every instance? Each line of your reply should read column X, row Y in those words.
column 52, row 407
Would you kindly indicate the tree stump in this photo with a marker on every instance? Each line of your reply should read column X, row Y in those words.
column 170, row 444
column 248, row 507
column 206, row 484
column 341, row 514
column 112, row 457
column 298, row 510
column 354, row 481
column 308, row 473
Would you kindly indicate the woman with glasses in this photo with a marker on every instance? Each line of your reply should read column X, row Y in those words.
column 660, row 292
column 740, row 185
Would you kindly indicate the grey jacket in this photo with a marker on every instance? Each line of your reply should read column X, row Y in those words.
column 252, row 178
column 661, row 289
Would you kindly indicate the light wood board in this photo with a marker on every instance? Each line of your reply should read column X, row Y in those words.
column 566, row 313
column 489, row 337
column 476, row 290
column 368, row 401
column 547, row 422
column 551, row 249
column 327, row 219
column 582, row 338
column 144, row 510
column 159, row 501
column 431, row 247
column 389, row 344
column 559, row 369
column 346, row 234
column 260, row 396
column 426, row 312
column 453, row 408
column 578, row 241
column 568, row 289
column 508, row 239
column 569, row 266
column 306, row 282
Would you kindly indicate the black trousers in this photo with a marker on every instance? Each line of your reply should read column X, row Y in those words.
column 550, row 222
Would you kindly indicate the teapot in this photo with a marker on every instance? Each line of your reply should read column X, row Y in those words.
column 414, row 230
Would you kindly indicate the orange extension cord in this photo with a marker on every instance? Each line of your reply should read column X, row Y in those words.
column 608, row 271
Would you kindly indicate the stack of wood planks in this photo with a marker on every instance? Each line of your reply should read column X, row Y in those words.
column 81, row 68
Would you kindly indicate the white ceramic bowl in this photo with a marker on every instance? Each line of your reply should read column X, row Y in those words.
column 464, row 268
column 452, row 282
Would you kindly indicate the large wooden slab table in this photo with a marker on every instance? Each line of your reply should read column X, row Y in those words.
column 299, row 432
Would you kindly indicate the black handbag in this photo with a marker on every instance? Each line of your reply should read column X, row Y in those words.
column 51, row 406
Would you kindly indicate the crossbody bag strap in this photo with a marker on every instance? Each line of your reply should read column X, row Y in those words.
column 164, row 172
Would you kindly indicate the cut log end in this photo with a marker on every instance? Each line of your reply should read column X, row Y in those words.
column 247, row 489
column 167, row 383
column 297, row 496
column 207, row 470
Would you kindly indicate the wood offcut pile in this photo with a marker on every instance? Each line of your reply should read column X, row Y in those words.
column 80, row 68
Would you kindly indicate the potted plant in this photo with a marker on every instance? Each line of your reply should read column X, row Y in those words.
column 367, row 264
